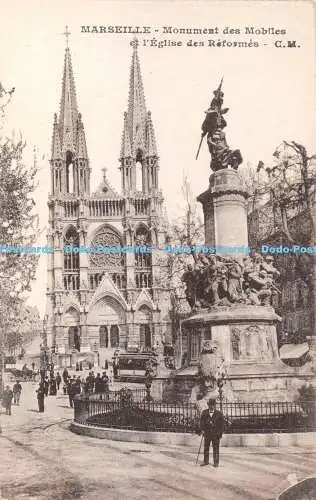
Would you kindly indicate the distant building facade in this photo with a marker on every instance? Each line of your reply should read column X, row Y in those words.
column 98, row 302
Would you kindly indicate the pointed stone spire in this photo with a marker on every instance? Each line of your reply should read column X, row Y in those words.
column 136, row 115
column 68, row 107
column 151, row 148
column 82, row 145
column 139, row 156
column 56, row 146
column 70, row 163
column 126, row 149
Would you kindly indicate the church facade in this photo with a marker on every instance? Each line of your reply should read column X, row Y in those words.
column 98, row 302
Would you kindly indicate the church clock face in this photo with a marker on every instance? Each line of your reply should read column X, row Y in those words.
column 105, row 258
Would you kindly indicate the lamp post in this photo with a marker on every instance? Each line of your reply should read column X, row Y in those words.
column 44, row 359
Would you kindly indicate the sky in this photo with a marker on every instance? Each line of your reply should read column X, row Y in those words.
column 270, row 91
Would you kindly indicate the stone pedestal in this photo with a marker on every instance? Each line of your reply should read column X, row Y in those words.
column 224, row 207
column 246, row 336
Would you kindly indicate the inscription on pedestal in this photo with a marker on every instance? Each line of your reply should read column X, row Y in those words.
column 252, row 342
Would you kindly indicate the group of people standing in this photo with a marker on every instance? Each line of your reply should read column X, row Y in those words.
column 93, row 384
column 72, row 385
column 47, row 386
column 9, row 394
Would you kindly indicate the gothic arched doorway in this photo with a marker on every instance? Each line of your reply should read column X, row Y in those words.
column 114, row 336
column 144, row 336
column 104, row 336
column 74, row 337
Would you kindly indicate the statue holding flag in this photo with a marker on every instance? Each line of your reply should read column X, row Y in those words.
column 212, row 127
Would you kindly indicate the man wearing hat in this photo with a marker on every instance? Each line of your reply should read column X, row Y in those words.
column 212, row 425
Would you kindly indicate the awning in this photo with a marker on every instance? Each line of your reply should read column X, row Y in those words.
column 293, row 351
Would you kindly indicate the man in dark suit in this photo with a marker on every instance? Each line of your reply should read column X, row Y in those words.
column 212, row 426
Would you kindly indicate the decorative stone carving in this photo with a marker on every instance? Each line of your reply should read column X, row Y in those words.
column 252, row 342
column 215, row 280
column 103, row 258
column 212, row 369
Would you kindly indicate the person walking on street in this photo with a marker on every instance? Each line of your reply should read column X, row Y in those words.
column 17, row 389
column 58, row 380
column 7, row 397
column 66, row 376
column 52, row 387
column 212, row 425
column 46, row 386
column 41, row 397
column 71, row 390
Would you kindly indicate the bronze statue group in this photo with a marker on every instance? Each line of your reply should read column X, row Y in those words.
column 218, row 280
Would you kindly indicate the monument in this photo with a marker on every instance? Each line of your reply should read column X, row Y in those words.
column 230, row 293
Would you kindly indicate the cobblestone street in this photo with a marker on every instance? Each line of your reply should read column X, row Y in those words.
column 41, row 459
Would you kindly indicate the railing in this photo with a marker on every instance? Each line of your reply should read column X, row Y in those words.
column 71, row 209
column 128, row 409
column 143, row 279
column 102, row 208
column 141, row 206
column 71, row 281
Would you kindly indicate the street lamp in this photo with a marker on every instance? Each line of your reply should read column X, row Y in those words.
column 45, row 321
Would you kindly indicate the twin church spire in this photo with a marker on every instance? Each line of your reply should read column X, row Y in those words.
column 138, row 151
column 69, row 160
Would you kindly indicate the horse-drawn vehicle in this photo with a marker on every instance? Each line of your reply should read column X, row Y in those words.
column 21, row 372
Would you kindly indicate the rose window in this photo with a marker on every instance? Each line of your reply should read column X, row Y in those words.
column 106, row 246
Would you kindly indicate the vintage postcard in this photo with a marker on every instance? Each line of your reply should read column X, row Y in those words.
column 157, row 250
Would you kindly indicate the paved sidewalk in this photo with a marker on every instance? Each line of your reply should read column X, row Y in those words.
column 41, row 459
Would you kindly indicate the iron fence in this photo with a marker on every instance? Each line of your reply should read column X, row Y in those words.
column 133, row 410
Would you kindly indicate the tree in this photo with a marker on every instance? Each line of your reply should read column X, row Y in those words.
column 186, row 231
column 18, row 231
column 288, row 190
column 24, row 332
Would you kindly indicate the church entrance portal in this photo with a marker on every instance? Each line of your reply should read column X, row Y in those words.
column 74, row 337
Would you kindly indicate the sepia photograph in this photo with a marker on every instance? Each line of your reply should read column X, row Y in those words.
column 158, row 250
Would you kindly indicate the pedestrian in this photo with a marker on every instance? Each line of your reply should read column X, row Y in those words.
column 103, row 385
column 84, row 388
column 33, row 366
column 58, row 380
column 71, row 389
column 78, row 386
column 7, row 397
column 90, row 383
column 17, row 389
column 46, row 386
column 65, row 376
column 98, row 384
column 41, row 397
column 212, row 426
column 52, row 387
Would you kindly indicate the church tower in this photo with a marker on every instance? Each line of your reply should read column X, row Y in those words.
column 98, row 301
